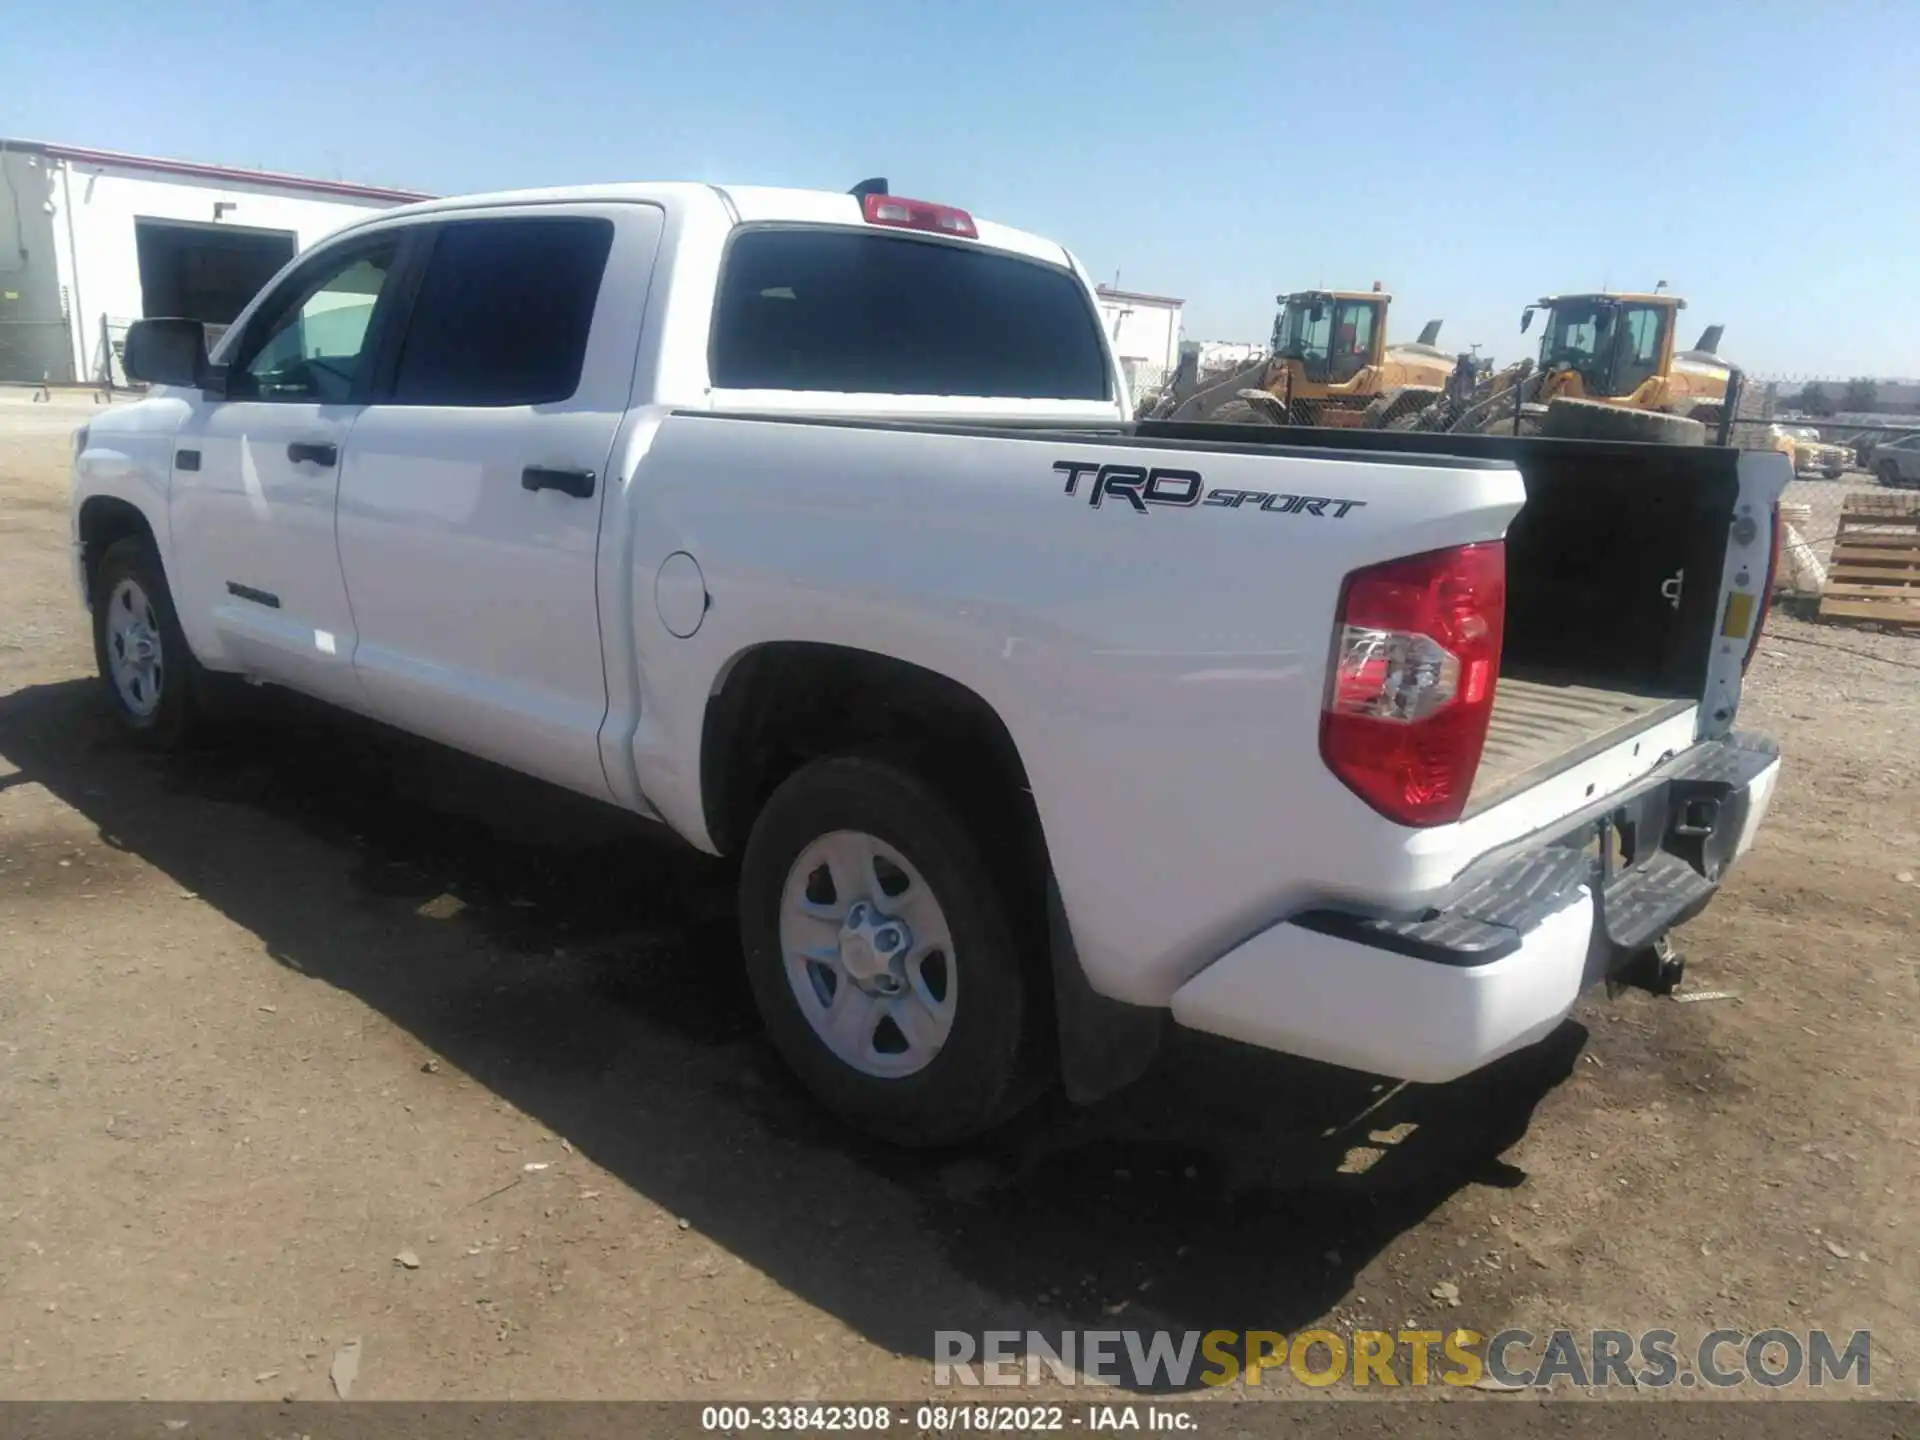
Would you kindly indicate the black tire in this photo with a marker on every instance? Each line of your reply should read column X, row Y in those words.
column 1833, row 472
column 1236, row 412
column 1890, row 475
column 988, row 1066
column 128, row 566
column 1596, row 420
column 1435, row 417
column 1408, row 400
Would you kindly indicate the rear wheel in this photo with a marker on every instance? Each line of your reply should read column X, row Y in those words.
column 146, row 671
column 1596, row 420
column 885, row 956
column 1890, row 475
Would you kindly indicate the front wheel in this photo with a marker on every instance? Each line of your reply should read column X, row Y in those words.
column 145, row 667
column 885, row 956
column 1890, row 475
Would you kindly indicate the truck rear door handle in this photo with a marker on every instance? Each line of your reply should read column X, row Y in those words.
column 319, row 454
column 577, row 483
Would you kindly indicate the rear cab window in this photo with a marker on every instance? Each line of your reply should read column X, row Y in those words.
column 825, row 310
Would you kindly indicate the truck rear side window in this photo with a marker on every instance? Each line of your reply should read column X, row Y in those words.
column 889, row 315
column 503, row 312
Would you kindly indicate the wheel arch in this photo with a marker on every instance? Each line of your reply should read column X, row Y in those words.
column 104, row 520
column 778, row 704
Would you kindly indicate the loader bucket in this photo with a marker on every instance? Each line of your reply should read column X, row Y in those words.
column 1202, row 403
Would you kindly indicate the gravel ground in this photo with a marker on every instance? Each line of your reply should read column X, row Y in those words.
column 273, row 1016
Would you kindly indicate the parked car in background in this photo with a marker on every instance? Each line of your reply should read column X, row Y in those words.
column 1897, row 462
column 1810, row 454
column 1868, row 442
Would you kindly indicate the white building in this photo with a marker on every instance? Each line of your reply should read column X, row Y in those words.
column 1145, row 330
column 93, row 239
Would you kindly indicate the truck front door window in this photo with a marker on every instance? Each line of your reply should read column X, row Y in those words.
column 312, row 344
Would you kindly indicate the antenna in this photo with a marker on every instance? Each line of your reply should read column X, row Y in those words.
column 875, row 186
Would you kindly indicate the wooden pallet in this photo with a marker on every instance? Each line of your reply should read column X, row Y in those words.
column 1875, row 570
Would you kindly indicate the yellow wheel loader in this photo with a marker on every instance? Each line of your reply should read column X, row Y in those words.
column 1607, row 369
column 1329, row 364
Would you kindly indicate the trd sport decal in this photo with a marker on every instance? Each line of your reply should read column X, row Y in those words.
column 1183, row 489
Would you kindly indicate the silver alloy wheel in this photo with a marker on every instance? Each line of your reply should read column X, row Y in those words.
column 136, row 660
column 869, row 954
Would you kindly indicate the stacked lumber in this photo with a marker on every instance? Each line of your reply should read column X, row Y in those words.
column 1875, row 570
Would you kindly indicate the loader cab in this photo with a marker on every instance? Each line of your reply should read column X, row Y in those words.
column 1614, row 343
column 1331, row 336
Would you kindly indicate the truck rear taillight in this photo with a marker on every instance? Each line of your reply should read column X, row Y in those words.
column 1416, row 658
column 905, row 214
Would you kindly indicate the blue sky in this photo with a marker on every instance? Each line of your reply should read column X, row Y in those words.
column 1764, row 158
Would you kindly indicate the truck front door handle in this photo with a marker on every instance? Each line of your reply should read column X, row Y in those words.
column 577, row 483
column 320, row 453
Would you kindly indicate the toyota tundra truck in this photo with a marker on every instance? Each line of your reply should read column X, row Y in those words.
column 815, row 528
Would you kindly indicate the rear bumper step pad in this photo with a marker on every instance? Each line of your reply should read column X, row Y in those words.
column 1653, row 857
column 1502, row 960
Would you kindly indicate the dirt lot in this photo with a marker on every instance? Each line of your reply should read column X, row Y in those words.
column 273, row 1015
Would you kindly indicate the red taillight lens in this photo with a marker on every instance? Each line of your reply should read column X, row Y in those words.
column 1416, row 658
column 905, row 214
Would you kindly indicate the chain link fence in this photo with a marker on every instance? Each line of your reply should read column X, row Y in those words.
column 1430, row 391
column 1839, row 455
column 1844, row 435
column 1144, row 379
column 109, row 360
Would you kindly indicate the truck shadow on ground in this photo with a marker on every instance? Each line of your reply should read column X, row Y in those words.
column 591, row 977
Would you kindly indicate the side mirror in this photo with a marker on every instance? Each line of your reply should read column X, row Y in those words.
column 167, row 352
column 1526, row 320
column 1318, row 313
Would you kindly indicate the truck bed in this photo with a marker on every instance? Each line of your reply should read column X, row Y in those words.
column 1540, row 727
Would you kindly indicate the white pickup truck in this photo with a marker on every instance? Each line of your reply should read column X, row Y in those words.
column 813, row 526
